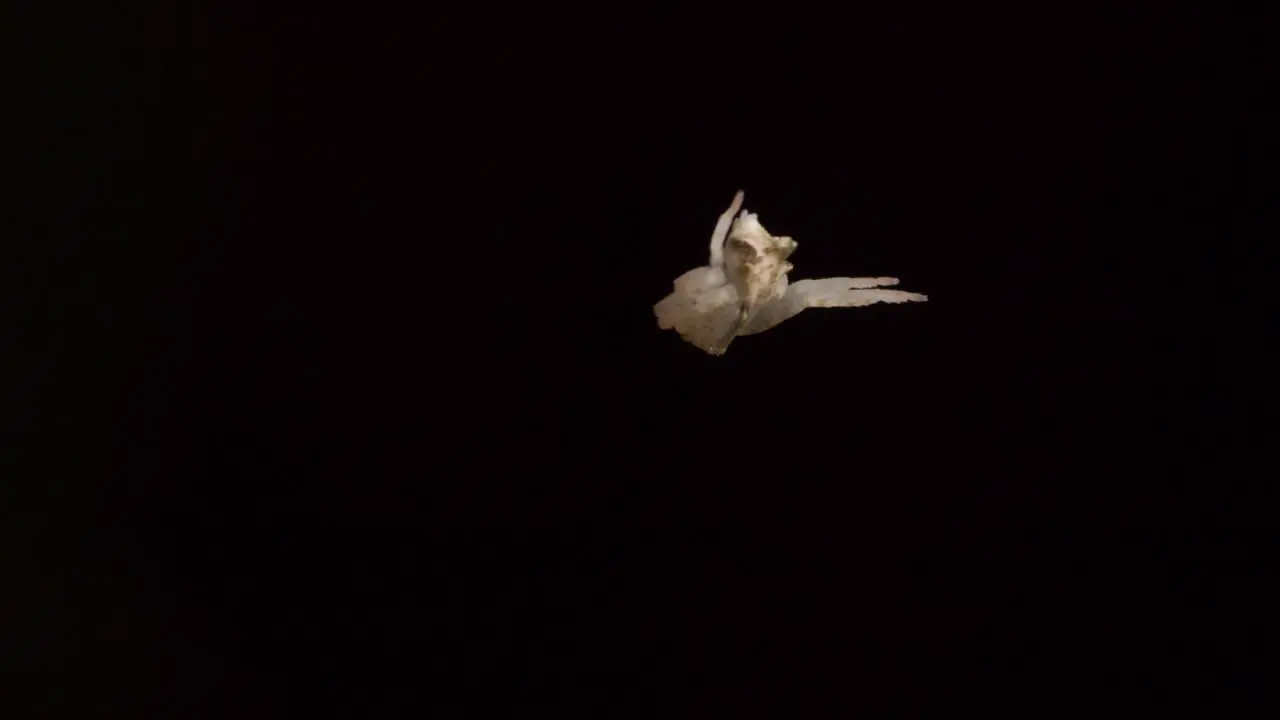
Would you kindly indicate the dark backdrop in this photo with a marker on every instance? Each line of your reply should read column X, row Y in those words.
column 438, row 246
column 398, row 271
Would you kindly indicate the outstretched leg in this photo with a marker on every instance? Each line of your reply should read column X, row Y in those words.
column 722, row 229
column 868, row 282
column 848, row 292
column 827, row 292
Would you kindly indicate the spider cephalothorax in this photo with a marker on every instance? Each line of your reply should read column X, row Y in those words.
column 755, row 263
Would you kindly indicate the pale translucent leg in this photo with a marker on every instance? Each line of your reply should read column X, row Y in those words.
column 849, row 292
column 827, row 292
column 722, row 229
column 865, row 282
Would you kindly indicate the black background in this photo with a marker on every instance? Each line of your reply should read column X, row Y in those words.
column 291, row 278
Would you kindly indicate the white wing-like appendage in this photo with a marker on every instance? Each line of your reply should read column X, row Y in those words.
column 702, row 309
column 827, row 292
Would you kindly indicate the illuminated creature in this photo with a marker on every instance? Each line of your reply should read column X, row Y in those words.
column 743, row 290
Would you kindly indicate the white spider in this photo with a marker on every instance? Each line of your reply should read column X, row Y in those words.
column 744, row 289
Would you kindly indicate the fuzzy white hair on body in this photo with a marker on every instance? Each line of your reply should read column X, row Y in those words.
column 743, row 289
